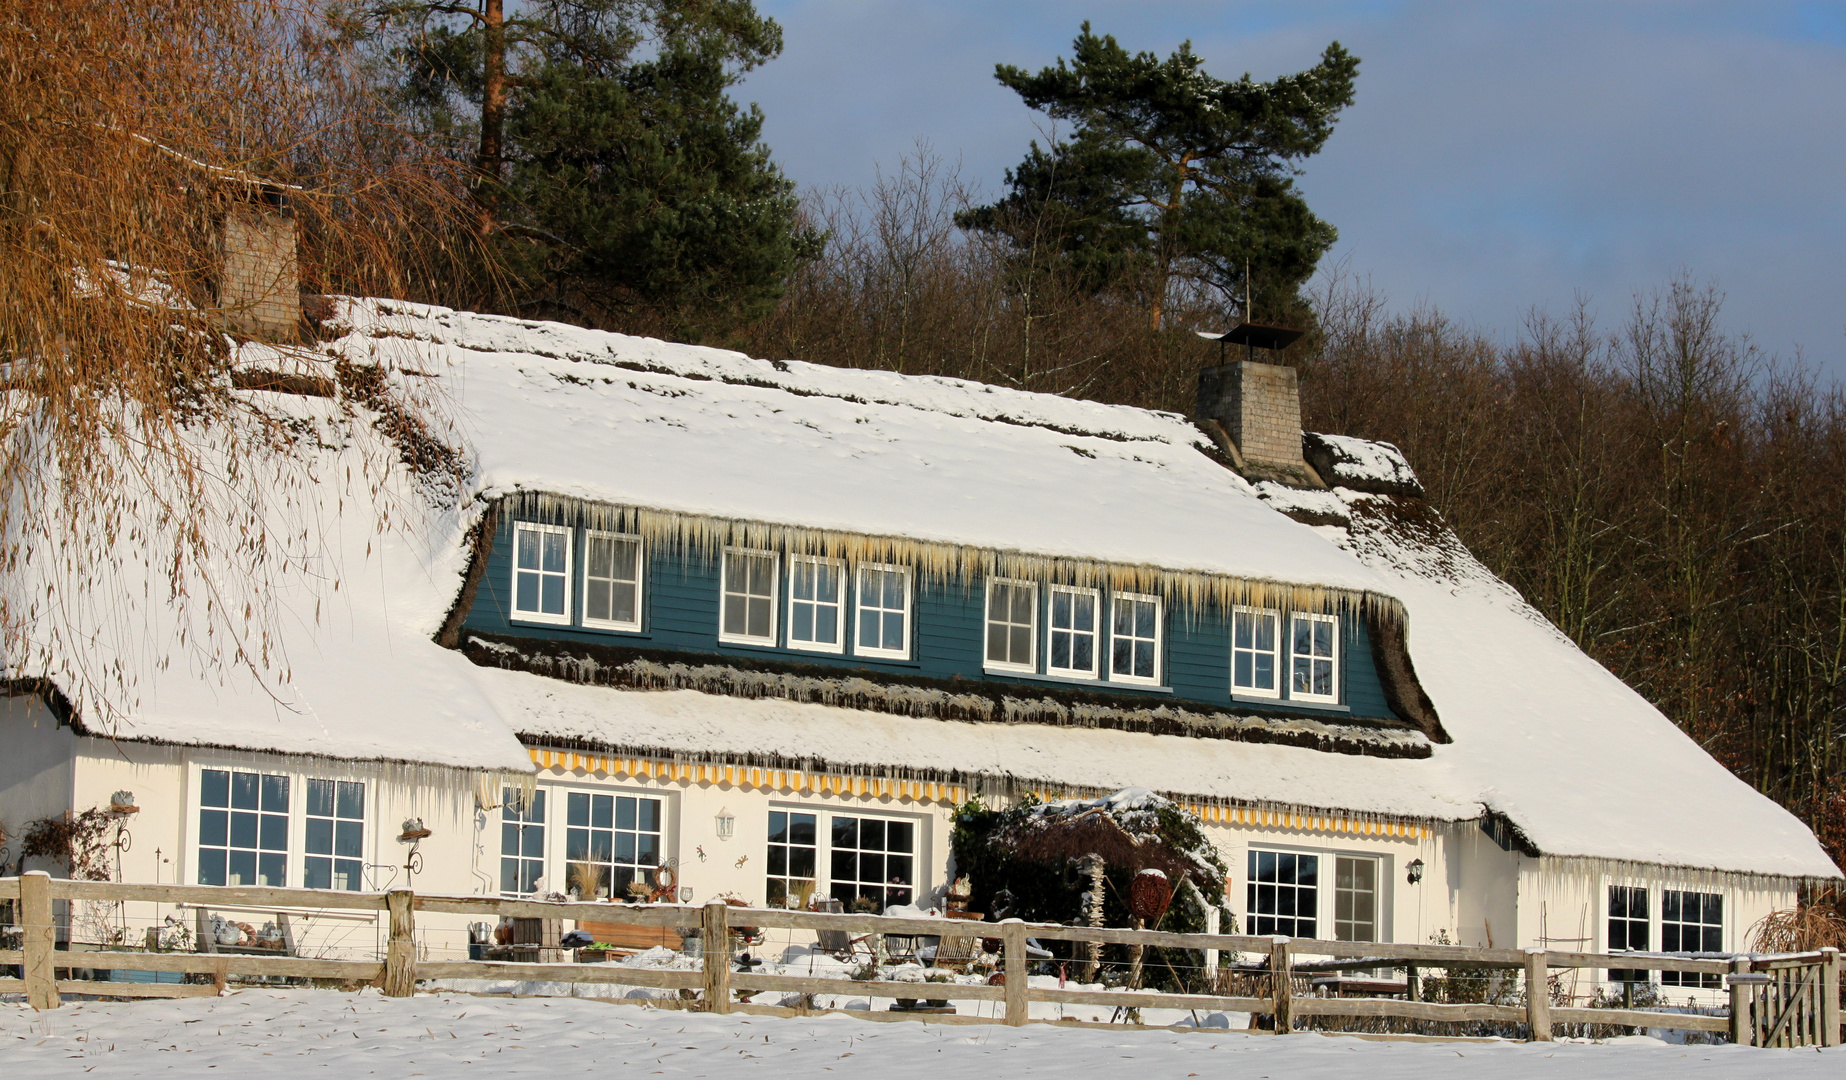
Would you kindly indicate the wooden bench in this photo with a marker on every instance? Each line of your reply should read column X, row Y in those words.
column 626, row 939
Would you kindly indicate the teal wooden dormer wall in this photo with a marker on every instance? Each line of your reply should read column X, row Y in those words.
column 680, row 613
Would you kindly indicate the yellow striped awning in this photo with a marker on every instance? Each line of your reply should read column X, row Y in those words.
column 748, row 776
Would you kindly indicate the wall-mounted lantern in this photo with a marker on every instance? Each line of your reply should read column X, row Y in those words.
column 727, row 823
column 1415, row 871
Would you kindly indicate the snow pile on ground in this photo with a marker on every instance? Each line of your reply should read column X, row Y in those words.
column 269, row 1032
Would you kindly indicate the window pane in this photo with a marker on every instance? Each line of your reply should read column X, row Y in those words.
column 271, row 869
column 215, row 788
column 577, row 809
column 242, row 868
column 555, row 552
column 320, row 797
column 553, row 594
column 211, row 867
column 319, row 839
column 214, row 827
column 528, row 549
column 243, row 830
column 243, row 791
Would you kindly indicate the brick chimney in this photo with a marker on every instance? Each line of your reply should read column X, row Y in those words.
column 1257, row 408
column 258, row 279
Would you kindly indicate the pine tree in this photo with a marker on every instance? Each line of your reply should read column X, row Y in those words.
column 621, row 184
column 1169, row 177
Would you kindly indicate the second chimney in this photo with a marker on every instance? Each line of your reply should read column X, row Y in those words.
column 1258, row 406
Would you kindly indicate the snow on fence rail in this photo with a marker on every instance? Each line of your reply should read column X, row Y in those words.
column 1783, row 1000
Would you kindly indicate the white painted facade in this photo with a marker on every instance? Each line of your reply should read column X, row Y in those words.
column 1470, row 890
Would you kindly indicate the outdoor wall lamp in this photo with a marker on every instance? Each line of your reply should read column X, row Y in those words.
column 1416, row 871
column 727, row 823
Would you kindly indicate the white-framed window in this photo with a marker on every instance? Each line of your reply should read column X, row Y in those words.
column 1012, row 625
column 883, row 605
column 749, row 601
column 816, row 604
column 1134, row 638
column 522, row 842
column 794, row 857
column 1283, row 893
column 872, row 861
column 1355, row 898
column 243, row 828
column 541, row 573
column 1691, row 922
column 1070, row 649
column 1628, row 928
column 611, row 581
column 1256, row 653
column 866, row 862
column 1314, row 657
column 334, row 840
column 610, row 842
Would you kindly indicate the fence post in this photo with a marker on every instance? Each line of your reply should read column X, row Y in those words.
column 41, row 940
column 1013, row 942
column 715, row 955
column 1829, row 996
column 1740, row 1001
column 401, row 948
column 1538, row 995
column 1281, row 975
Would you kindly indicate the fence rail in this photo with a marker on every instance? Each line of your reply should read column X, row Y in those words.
column 1784, row 1000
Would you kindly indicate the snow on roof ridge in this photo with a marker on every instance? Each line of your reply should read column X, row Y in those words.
column 867, row 386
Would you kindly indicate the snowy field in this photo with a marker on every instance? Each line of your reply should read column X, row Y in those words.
column 301, row 1032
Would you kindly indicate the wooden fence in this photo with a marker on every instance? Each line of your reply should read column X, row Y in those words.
column 1791, row 1000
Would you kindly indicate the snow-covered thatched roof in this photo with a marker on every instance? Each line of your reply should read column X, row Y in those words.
column 1580, row 764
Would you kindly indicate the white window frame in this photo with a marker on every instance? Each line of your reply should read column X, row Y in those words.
column 1333, row 661
column 1281, row 672
column 590, row 536
column 540, row 884
column 1092, row 672
column 1030, row 667
column 519, row 529
column 824, row 815
column 1379, row 885
column 1160, row 629
column 1691, row 980
column 1323, row 861
column 858, row 606
column 295, row 851
column 291, row 814
column 334, row 820
column 557, row 852
column 839, row 604
column 724, row 592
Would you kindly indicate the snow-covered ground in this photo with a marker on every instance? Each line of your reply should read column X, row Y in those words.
column 301, row 1032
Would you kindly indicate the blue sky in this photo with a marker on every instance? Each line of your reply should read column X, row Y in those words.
column 1499, row 157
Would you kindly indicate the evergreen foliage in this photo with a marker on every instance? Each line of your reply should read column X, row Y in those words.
column 1170, row 178
column 1032, row 859
column 1037, row 851
column 626, row 189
